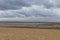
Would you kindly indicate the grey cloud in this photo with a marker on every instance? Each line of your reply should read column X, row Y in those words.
column 12, row 4
column 33, row 11
column 17, row 4
column 30, row 9
column 57, row 3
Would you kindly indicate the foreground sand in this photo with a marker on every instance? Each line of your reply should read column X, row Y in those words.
column 29, row 34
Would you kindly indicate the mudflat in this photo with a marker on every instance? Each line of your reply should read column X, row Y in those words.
column 29, row 34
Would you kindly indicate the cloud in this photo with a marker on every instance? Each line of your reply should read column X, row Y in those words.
column 12, row 4
column 17, row 4
column 30, row 9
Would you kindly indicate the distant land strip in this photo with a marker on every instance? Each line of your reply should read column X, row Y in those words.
column 18, row 24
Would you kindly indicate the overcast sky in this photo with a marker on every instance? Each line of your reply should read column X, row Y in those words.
column 31, row 10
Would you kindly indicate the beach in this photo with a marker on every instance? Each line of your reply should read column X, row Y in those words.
column 15, row 30
column 29, row 34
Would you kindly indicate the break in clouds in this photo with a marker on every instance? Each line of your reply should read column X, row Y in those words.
column 29, row 9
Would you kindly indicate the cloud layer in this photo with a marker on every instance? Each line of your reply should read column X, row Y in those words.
column 17, row 4
column 26, row 9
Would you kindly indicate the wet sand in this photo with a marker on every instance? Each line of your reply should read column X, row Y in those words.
column 29, row 34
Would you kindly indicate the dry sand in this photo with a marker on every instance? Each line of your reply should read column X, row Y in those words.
column 29, row 34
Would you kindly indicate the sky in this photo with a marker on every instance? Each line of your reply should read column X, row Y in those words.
column 30, row 10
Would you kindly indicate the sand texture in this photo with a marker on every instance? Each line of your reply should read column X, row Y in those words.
column 29, row 34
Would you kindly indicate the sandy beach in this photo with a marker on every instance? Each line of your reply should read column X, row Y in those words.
column 29, row 34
